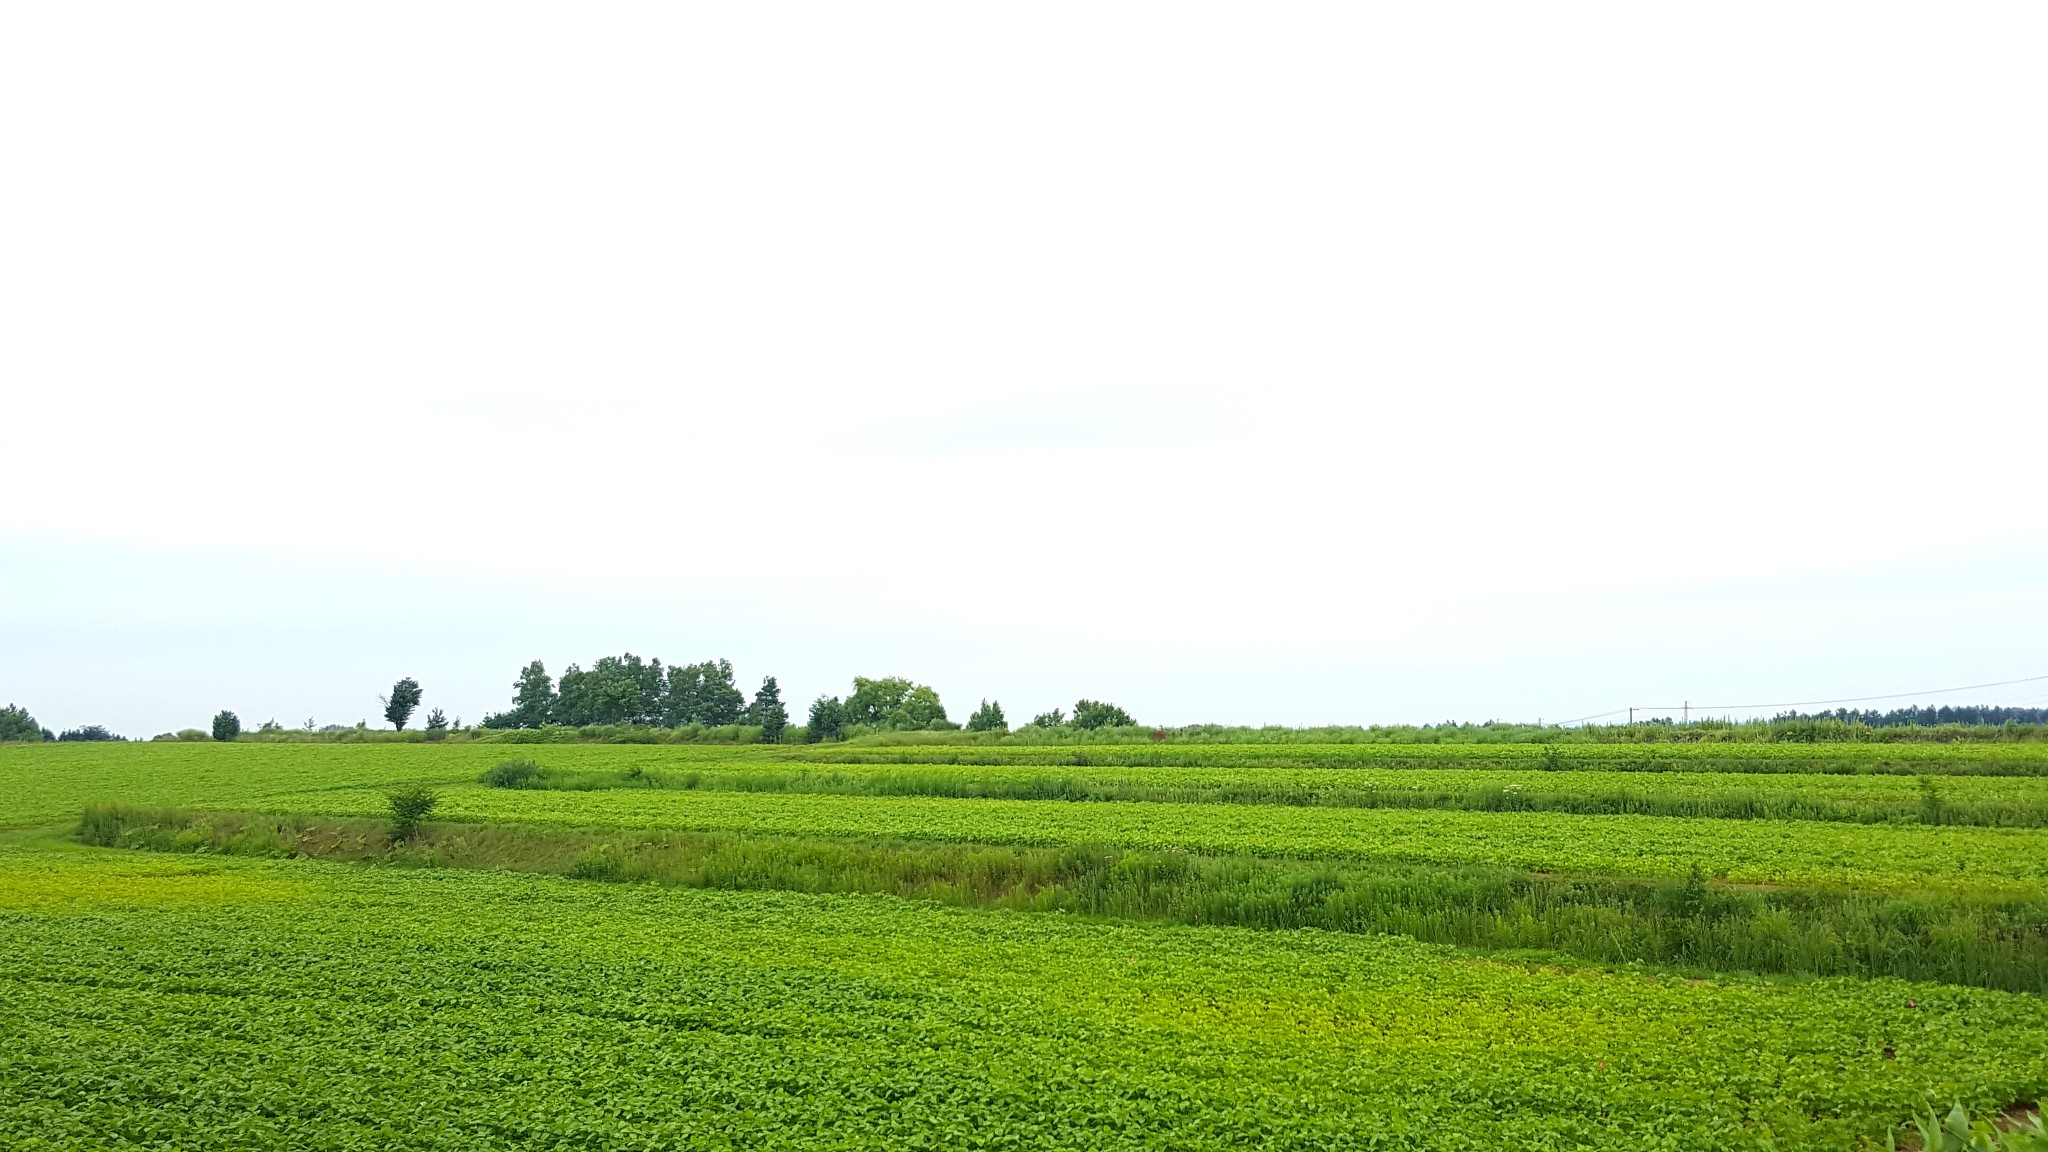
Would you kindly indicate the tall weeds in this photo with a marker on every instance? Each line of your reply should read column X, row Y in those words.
column 1688, row 923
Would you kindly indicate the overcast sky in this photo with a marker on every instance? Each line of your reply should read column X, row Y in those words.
column 1255, row 363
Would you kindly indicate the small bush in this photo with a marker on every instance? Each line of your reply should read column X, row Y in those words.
column 512, row 774
column 226, row 725
column 599, row 863
column 408, row 808
column 190, row 734
column 90, row 732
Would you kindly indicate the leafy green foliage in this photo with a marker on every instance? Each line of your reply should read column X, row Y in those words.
column 409, row 806
column 437, row 721
column 1090, row 714
column 1990, row 862
column 421, row 1008
column 988, row 718
column 653, row 1012
column 1949, row 937
column 513, row 774
column 1956, row 1132
column 17, row 725
column 90, row 733
column 533, row 700
column 894, row 704
column 1053, row 719
column 226, row 725
column 703, row 694
column 398, row 707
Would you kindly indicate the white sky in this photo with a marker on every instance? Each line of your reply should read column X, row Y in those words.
column 1311, row 364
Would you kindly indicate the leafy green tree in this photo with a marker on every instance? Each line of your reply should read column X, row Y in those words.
column 1052, row 719
column 768, row 712
column 227, row 725
column 988, row 718
column 828, row 720
column 405, row 696
column 702, row 694
column 1096, row 714
column 893, row 702
column 17, row 724
column 437, row 721
column 616, row 690
column 533, row 698
column 88, row 732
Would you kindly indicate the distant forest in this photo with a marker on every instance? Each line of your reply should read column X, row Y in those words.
column 1920, row 717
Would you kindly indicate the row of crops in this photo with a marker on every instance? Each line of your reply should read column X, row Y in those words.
column 159, row 1001
column 1711, row 946
column 1883, row 857
column 1996, row 801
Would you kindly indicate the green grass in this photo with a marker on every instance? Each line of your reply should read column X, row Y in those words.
column 885, row 946
column 165, row 1002
column 1687, row 923
column 1991, row 801
column 1988, row 861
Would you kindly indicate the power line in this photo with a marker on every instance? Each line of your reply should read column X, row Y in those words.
column 1850, row 699
column 1798, row 703
column 1594, row 716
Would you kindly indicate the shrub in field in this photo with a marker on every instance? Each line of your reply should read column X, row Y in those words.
column 88, row 733
column 226, row 726
column 513, row 774
column 600, row 862
column 437, row 721
column 409, row 807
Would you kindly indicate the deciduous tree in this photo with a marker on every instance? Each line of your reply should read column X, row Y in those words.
column 1096, row 714
column 398, row 707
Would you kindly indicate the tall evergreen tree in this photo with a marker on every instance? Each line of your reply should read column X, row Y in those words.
column 17, row 724
column 768, row 712
column 828, row 720
column 988, row 718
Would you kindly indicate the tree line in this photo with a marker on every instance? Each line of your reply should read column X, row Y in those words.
column 628, row 690
column 1924, row 716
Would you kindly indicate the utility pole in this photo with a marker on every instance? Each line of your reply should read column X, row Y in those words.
column 1685, row 714
column 1631, row 715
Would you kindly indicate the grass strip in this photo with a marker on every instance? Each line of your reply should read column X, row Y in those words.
column 1690, row 923
column 1986, row 802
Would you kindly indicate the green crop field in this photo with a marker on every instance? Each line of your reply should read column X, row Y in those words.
column 1135, row 945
